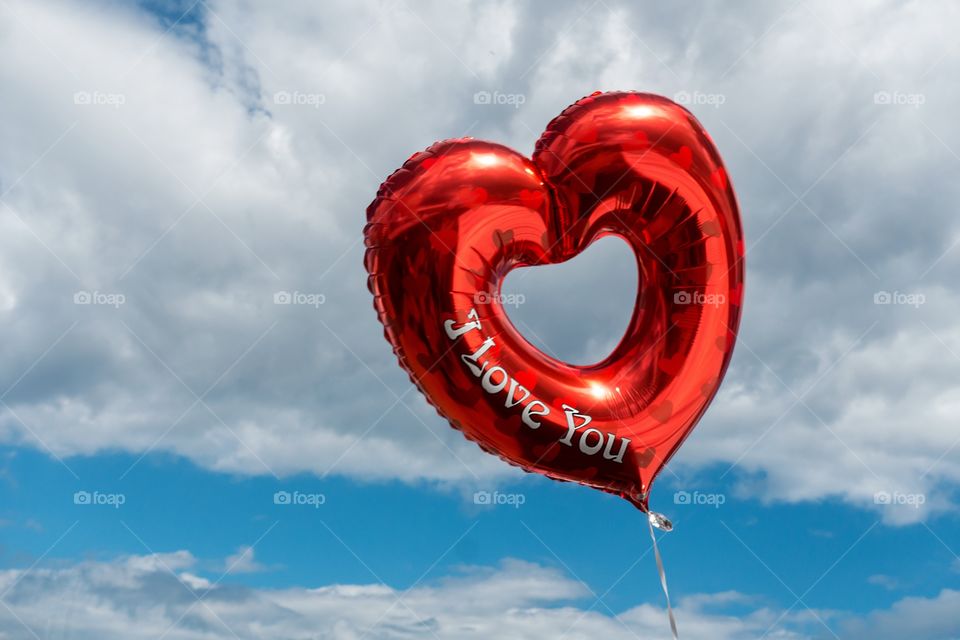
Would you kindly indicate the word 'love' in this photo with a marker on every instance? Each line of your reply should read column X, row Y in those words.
column 495, row 379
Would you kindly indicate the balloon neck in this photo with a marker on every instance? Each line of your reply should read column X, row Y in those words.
column 639, row 500
column 657, row 520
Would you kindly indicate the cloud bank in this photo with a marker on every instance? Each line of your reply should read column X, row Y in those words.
column 180, row 246
column 162, row 596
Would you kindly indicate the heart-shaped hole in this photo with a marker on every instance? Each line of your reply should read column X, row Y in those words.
column 576, row 311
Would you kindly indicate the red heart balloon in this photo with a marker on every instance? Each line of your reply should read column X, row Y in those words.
column 447, row 227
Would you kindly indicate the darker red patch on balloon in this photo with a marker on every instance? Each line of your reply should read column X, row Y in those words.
column 719, row 178
column 645, row 457
column 502, row 237
column 683, row 157
column 663, row 411
column 672, row 366
column 531, row 199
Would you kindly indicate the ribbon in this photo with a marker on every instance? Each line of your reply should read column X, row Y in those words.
column 661, row 522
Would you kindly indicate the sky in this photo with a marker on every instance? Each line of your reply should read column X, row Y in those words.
column 182, row 457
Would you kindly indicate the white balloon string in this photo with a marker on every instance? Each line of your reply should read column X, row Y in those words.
column 663, row 574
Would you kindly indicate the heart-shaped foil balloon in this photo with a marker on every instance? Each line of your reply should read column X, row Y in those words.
column 447, row 227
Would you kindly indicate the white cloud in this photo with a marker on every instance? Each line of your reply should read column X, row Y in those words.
column 934, row 617
column 114, row 207
column 243, row 561
column 100, row 194
column 150, row 596
column 885, row 581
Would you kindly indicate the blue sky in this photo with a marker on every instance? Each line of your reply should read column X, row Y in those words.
column 147, row 161
column 399, row 531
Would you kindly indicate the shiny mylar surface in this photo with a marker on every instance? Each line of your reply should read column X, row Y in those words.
column 447, row 227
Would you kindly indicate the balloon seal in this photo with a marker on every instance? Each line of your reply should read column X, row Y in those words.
column 659, row 521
